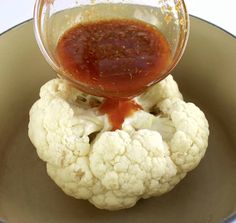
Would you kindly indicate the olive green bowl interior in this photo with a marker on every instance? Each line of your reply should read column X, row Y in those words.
column 206, row 76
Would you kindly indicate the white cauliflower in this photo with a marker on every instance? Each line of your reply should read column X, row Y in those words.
column 148, row 156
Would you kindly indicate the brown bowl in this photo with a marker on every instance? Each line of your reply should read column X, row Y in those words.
column 206, row 76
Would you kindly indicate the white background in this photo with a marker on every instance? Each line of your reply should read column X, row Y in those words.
column 221, row 13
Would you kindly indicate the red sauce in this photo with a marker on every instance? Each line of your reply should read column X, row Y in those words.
column 120, row 57
column 118, row 110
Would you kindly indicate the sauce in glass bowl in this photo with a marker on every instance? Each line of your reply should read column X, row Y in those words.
column 119, row 55
column 123, row 56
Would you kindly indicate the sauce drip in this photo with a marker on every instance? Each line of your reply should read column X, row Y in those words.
column 118, row 110
column 121, row 57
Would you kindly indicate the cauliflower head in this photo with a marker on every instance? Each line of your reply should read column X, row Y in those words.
column 148, row 156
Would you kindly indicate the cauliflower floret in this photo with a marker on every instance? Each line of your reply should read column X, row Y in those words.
column 166, row 88
column 61, row 122
column 182, row 125
column 189, row 142
column 130, row 165
column 148, row 156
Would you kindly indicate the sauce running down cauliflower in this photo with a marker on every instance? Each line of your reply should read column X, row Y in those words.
column 148, row 156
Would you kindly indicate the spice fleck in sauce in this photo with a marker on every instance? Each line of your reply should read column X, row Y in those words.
column 119, row 55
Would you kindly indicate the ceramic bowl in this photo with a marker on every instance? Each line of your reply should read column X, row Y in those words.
column 206, row 75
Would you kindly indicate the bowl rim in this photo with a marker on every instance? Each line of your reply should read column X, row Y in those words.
column 190, row 15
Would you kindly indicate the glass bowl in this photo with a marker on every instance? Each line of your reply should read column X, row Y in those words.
column 52, row 18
